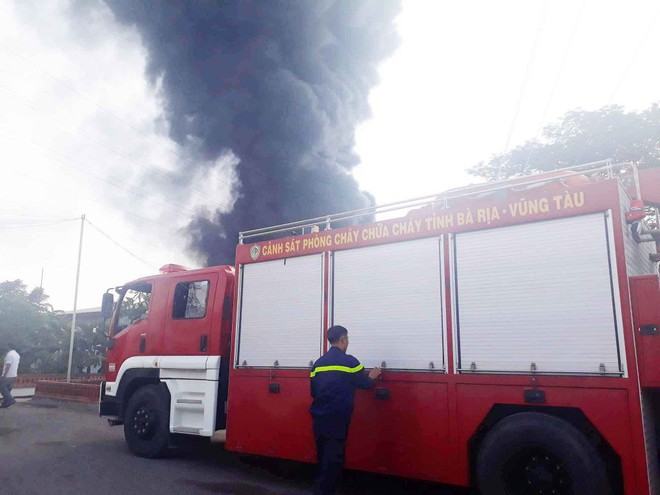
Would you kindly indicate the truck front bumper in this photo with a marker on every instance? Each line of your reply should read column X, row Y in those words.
column 108, row 405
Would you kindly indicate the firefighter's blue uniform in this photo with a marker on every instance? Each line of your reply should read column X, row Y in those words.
column 334, row 378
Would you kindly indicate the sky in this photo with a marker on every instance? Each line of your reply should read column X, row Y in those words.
column 80, row 125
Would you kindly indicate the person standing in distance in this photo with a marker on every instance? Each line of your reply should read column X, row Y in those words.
column 9, row 372
column 334, row 378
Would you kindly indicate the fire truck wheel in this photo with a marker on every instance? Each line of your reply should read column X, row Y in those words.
column 146, row 422
column 535, row 453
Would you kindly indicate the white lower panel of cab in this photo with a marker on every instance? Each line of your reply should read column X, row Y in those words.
column 193, row 385
column 189, row 367
column 193, row 406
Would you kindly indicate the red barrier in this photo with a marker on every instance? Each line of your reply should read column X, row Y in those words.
column 29, row 380
column 75, row 392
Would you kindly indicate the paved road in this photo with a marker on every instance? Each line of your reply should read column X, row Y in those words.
column 55, row 448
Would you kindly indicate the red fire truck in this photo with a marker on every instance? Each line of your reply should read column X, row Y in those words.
column 516, row 324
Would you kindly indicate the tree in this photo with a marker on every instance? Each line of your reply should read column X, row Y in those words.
column 90, row 342
column 581, row 137
column 91, row 346
column 42, row 335
column 28, row 321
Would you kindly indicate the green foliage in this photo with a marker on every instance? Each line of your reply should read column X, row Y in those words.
column 42, row 335
column 91, row 347
column 582, row 137
column 91, row 344
column 134, row 307
column 28, row 322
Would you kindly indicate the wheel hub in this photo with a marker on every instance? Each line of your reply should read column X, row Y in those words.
column 538, row 472
column 544, row 475
column 144, row 423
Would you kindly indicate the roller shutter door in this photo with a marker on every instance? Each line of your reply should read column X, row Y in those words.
column 537, row 293
column 281, row 312
column 390, row 299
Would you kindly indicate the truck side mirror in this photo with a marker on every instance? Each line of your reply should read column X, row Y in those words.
column 107, row 305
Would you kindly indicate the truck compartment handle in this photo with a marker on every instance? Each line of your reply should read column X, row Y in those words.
column 273, row 388
column 203, row 343
column 648, row 329
column 382, row 393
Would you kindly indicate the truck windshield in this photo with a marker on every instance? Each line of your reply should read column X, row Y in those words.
column 134, row 306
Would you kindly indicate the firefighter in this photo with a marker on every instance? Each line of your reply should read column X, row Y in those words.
column 334, row 378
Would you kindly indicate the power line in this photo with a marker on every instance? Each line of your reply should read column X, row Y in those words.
column 120, row 246
column 631, row 62
column 42, row 224
column 28, row 212
column 38, row 223
column 528, row 69
column 130, row 189
column 14, row 52
column 557, row 78
column 86, row 198
column 151, row 168
column 640, row 45
column 51, row 150
column 29, row 261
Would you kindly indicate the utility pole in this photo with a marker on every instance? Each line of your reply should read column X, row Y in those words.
column 41, row 284
column 75, row 301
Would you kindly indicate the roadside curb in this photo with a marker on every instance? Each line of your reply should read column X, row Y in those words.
column 15, row 396
column 22, row 392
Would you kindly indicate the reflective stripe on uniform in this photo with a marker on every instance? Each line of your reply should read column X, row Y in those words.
column 343, row 369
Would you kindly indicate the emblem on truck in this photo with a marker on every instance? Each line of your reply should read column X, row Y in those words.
column 255, row 251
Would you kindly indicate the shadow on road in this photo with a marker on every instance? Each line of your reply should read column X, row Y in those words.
column 47, row 444
column 300, row 474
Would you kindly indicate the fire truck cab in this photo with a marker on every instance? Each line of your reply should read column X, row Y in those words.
column 166, row 366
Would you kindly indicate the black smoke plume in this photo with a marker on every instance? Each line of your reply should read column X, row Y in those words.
column 281, row 84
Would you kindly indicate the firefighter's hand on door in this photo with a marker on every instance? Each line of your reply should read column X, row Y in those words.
column 375, row 373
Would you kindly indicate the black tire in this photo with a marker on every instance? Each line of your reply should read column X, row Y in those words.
column 147, row 421
column 534, row 453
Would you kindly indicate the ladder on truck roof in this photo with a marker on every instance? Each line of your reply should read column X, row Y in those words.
column 599, row 170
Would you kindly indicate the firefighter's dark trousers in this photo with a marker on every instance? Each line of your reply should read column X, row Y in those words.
column 330, row 448
column 330, row 453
